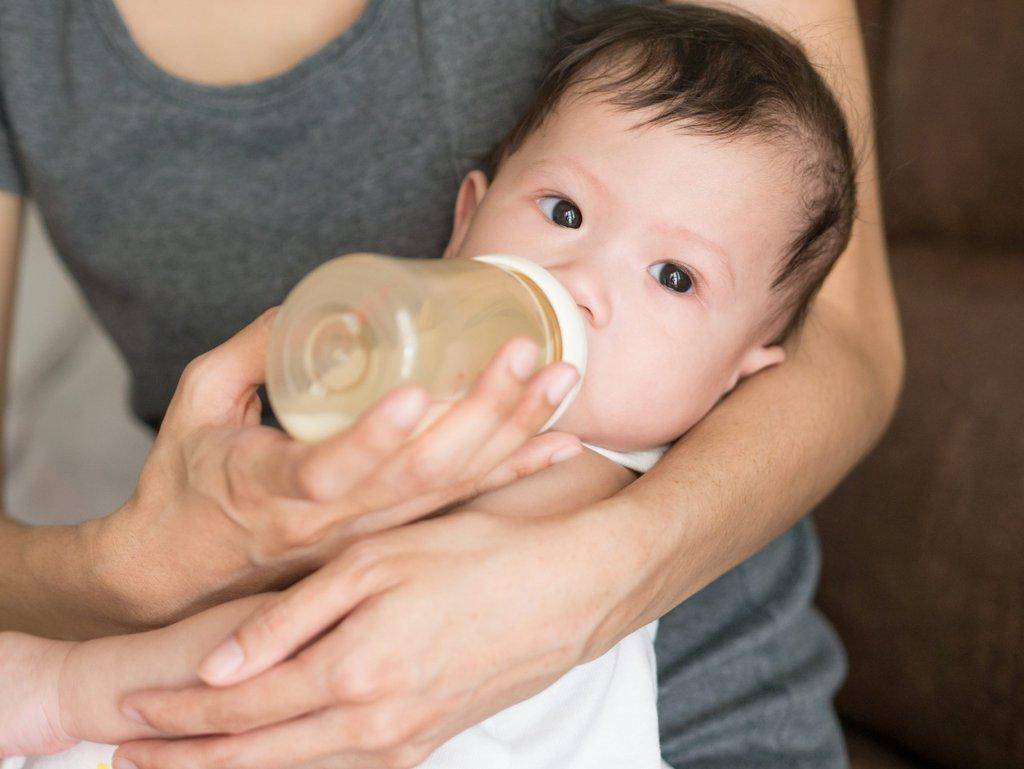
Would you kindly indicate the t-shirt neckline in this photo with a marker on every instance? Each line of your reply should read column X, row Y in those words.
column 243, row 95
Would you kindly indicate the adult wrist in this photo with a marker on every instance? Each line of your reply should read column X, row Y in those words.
column 626, row 559
column 133, row 591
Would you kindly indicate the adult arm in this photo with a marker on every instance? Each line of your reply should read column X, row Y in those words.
column 785, row 438
column 583, row 580
column 63, row 588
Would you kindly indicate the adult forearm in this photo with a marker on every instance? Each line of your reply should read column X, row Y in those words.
column 756, row 464
column 777, row 445
column 48, row 585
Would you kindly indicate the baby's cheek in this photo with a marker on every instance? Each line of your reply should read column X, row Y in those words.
column 656, row 404
column 602, row 413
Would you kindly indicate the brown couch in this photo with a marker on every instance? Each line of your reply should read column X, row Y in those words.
column 924, row 544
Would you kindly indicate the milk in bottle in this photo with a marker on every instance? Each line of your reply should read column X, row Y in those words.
column 363, row 324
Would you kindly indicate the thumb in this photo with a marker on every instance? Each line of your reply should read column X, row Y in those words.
column 219, row 387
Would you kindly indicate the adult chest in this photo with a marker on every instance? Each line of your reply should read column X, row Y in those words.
column 223, row 44
column 139, row 172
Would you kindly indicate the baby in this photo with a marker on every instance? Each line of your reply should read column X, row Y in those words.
column 688, row 177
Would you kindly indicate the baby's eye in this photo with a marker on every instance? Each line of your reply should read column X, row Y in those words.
column 561, row 211
column 671, row 276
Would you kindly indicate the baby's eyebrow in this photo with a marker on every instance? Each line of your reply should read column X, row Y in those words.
column 576, row 166
column 720, row 257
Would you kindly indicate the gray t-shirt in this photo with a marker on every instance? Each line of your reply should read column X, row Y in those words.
column 183, row 211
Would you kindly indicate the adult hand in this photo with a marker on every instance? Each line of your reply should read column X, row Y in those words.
column 445, row 622
column 225, row 506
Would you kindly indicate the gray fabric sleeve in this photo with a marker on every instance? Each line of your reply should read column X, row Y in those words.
column 10, row 171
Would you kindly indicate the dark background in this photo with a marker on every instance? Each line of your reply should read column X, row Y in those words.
column 924, row 544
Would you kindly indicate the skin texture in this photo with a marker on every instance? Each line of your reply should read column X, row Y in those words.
column 143, row 565
column 644, row 195
column 225, row 506
column 835, row 391
column 63, row 692
column 59, row 692
column 608, row 266
column 780, row 442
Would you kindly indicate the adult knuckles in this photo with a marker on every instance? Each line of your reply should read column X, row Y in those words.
column 266, row 318
column 366, row 678
column 195, row 374
column 295, row 529
column 269, row 627
column 195, row 369
column 427, row 470
column 385, row 731
column 527, row 465
column 235, row 460
column 356, row 684
column 312, row 481
column 406, row 756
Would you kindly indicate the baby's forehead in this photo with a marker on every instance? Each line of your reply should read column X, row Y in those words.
column 587, row 131
column 668, row 176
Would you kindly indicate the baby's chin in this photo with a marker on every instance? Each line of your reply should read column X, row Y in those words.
column 631, row 429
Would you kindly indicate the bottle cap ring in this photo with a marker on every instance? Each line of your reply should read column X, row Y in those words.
column 571, row 326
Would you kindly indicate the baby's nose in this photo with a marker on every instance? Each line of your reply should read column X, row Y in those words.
column 587, row 289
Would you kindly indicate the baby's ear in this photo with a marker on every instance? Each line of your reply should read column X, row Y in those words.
column 471, row 192
column 755, row 359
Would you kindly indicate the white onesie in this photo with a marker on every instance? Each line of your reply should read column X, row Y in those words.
column 600, row 715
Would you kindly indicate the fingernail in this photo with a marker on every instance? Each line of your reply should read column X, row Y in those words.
column 523, row 358
column 123, row 763
column 408, row 411
column 132, row 714
column 560, row 385
column 567, row 453
column 224, row 661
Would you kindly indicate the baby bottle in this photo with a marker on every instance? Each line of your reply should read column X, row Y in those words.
column 361, row 325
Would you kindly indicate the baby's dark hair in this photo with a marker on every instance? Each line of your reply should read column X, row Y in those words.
column 722, row 74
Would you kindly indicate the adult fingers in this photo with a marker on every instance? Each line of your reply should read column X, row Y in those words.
column 509, row 455
column 279, row 627
column 536, row 454
column 426, row 463
column 333, row 467
column 290, row 689
column 547, row 390
column 265, row 459
column 448, row 444
column 357, row 737
column 533, row 456
column 436, row 460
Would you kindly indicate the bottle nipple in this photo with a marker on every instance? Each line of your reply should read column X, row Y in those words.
column 336, row 354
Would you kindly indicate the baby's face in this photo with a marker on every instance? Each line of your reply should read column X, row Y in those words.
column 671, row 263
